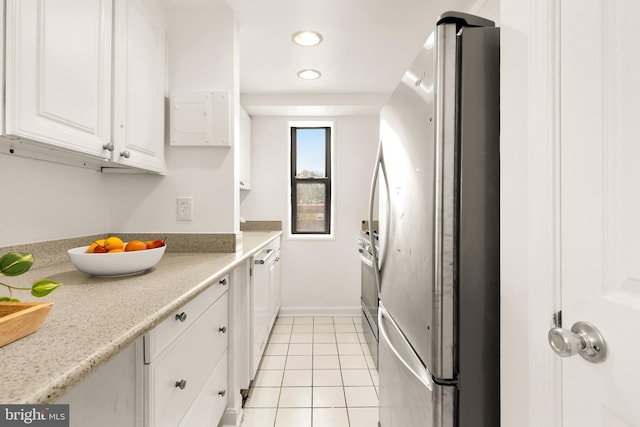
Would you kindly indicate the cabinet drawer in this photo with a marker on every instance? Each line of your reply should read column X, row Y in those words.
column 176, row 377
column 170, row 328
column 212, row 400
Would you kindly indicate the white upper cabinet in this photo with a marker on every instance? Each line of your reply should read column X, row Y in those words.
column 245, row 150
column 139, row 87
column 58, row 73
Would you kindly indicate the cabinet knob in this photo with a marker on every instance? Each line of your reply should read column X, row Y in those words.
column 241, row 182
column 108, row 147
column 223, row 329
column 223, row 282
column 222, row 392
column 126, row 154
column 181, row 316
column 181, row 384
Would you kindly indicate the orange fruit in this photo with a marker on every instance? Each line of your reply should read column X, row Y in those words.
column 115, row 250
column 113, row 243
column 135, row 245
column 95, row 244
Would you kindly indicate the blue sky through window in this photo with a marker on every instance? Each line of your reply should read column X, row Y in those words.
column 311, row 151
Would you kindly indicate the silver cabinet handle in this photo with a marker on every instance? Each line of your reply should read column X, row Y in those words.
column 181, row 316
column 223, row 282
column 222, row 392
column 583, row 339
column 223, row 329
column 126, row 154
column 181, row 384
column 108, row 147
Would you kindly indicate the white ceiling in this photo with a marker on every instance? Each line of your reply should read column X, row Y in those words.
column 367, row 46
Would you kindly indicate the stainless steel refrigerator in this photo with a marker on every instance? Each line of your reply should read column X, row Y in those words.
column 438, row 262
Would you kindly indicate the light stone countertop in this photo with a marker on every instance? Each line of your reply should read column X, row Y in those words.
column 95, row 318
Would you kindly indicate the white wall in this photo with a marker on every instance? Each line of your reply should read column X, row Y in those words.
column 201, row 45
column 319, row 276
column 46, row 201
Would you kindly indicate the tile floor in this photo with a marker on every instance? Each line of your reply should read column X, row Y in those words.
column 315, row 372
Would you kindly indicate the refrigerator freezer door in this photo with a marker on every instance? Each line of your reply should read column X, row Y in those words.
column 408, row 396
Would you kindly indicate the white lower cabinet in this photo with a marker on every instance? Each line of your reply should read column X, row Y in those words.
column 209, row 406
column 187, row 380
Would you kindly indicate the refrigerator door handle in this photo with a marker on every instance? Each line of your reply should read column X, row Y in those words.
column 374, row 182
column 413, row 365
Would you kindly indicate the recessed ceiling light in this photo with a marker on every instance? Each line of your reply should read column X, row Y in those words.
column 309, row 74
column 307, row 38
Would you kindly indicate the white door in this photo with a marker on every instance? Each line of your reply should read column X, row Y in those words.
column 58, row 73
column 600, row 193
column 139, row 86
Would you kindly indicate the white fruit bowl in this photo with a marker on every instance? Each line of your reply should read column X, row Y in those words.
column 116, row 264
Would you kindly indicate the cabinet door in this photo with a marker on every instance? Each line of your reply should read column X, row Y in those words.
column 245, row 150
column 58, row 73
column 139, row 87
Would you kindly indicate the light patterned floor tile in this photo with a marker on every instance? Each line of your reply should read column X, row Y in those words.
column 301, row 338
column 324, row 338
column 345, row 327
column 328, row 397
column 357, row 377
column 325, row 349
column 272, row 362
column 342, row 320
column 296, row 397
column 268, row 378
column 276, row 349
column 300, row 349
column 327, row 377
column 349, row 348
column 299, row 362
column 293, row 417
column 323, row 320
column 303, row 320
column 323, row 328
column 279, row 338
column 353, row 361
column 263, row 397
column 347, row 337
column 330, row 417
column 302, row 329
column 298, row 378
column 363, row 417
column 326, row 362
column 361, row 396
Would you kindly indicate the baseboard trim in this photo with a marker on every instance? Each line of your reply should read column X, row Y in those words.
column 232, row 417
column 320, row 311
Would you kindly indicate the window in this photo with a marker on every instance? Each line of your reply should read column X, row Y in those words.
column 311, row 180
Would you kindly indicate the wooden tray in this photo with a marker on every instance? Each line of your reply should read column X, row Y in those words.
column 19, row 319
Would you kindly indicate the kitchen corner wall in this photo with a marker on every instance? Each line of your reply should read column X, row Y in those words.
column 202, row 56
column 318, row 276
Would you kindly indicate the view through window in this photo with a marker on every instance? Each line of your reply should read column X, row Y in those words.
column 311, row 180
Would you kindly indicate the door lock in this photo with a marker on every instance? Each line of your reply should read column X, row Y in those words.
column 583, row 338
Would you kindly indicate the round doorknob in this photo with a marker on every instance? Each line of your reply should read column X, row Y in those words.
column 223, row 329
column 583, row 339
column 181, row 384
column 223, row 282
column 181, row 316
column 108, row 147
column 126, row 154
